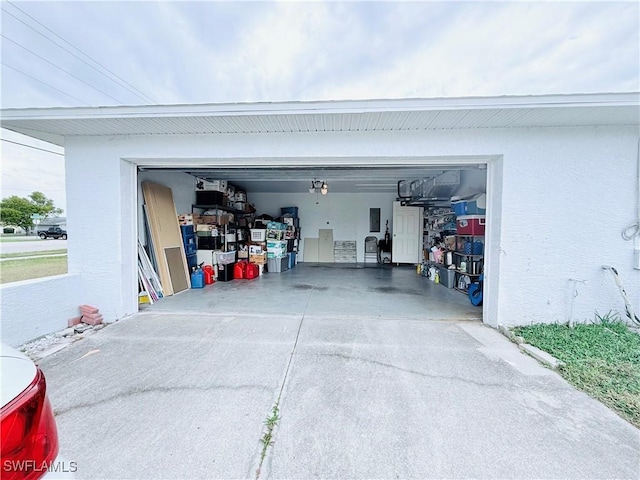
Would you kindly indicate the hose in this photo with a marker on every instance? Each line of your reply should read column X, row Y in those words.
column 627, row 303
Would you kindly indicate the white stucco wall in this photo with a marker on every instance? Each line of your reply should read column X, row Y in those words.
column 33, row 308
column 561, row 197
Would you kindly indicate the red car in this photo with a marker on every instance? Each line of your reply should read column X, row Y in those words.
column 29, row 448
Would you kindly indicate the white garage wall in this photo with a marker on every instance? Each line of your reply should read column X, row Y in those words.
column 346, row 214
column 566, row 195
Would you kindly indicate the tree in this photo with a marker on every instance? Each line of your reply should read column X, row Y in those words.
column 43, row 205
column 16, row 210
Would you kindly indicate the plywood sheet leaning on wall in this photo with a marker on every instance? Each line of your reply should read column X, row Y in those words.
column 166, row 237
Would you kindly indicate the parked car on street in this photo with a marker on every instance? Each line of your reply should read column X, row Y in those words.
column 29, row 448
column 53, row 232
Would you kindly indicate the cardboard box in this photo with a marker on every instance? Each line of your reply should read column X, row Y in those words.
column 259, row 258
column 256, row 249
column 213, row 185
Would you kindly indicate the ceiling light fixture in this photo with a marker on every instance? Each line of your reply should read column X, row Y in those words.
column 319, row 186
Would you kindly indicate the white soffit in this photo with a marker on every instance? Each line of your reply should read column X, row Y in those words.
column 53, row 124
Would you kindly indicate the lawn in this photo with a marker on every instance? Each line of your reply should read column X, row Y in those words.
column 602, row 359
column 43, row 253
column 16, row 270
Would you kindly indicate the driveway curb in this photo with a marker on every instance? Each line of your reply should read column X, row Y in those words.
column 540, row 355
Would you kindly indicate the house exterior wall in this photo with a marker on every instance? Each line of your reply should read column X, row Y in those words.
column 559, row 198
column 566, row 194
column 33, row 308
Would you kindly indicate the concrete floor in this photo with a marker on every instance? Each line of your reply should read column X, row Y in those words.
column 186, row 395
column 356, row 290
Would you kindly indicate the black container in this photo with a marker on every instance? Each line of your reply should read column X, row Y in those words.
column 225, row 272
column 211, row 198
column 210, row 243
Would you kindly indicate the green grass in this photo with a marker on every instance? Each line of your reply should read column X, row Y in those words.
column 43, row 253
column 267, row 438
column 16, row 270
column 601, row 359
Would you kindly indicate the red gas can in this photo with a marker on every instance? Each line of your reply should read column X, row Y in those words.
column 240, row 270
column 208, row 274
column 252, row 271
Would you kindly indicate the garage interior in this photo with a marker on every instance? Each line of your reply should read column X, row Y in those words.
column 359, row 208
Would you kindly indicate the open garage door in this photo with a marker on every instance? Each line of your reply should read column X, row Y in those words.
column 344, row 210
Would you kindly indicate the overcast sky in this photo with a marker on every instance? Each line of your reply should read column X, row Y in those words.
column 204, row 52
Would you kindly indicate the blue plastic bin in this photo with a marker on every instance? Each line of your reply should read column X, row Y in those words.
column 289, row 210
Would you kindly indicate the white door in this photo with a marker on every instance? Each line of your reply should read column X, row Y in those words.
column 406, row 244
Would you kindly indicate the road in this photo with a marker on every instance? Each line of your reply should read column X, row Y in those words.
column 32, row 245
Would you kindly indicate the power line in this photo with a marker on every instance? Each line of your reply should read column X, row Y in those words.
column 59, row 68
column 48, row 85
column 76, row 56
column 31, row 146
column 86, row 55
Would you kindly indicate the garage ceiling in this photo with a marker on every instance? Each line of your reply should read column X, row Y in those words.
column 339, row 179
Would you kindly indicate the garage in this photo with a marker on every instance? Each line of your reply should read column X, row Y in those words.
column 537, row 159
column 337, row 223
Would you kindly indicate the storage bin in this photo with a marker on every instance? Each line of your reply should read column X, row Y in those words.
column 192, row 261
column 209, row 243
column 258, row 234
column 276, row 226
column 277, row 264
column 447, row 277
column 470, row 225
column 186, row 230
column 293, row 211
column 477, row 205
column 225, row 258
column 225, row 272
column 211, row 197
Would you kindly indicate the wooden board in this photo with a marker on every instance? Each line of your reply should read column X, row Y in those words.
column 176, row 271
column 165, row 234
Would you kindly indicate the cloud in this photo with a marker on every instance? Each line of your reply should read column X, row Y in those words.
column 25, row 170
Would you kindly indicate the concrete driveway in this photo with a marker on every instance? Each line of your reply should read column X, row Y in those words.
column 186, row 395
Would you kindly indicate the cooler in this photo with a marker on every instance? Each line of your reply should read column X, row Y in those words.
column 470, row 225
column 477, row 205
